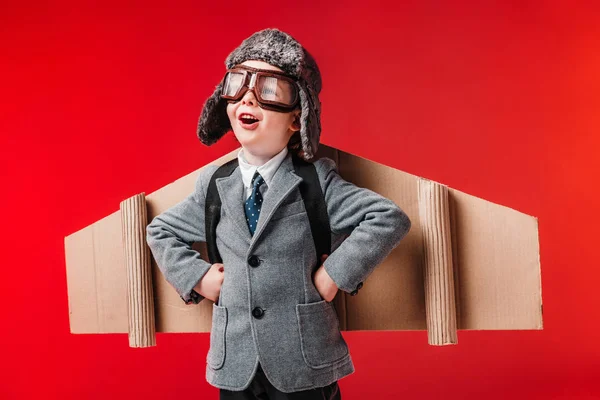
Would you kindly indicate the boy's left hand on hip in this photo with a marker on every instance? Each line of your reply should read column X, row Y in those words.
column 323, row 282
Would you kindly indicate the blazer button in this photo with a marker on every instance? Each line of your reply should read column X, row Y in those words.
column 359, row 286
column 354, row 292
column 258, row 312
column 254, row 261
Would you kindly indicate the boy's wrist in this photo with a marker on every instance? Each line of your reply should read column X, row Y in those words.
column 351, row 291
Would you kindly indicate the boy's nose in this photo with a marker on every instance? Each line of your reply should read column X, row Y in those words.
column 249, row 98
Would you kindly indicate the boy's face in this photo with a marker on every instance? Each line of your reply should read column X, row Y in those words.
column 274, row 128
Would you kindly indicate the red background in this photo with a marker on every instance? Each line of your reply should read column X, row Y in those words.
column 500, row 101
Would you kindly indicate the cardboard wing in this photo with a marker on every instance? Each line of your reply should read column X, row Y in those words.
column 465, row 264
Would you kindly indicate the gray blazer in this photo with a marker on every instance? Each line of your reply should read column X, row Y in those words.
column 269, row 309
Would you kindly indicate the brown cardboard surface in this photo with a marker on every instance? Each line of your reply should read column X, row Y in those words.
column 495, row 269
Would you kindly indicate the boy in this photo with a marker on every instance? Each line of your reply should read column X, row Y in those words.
column 275, row 333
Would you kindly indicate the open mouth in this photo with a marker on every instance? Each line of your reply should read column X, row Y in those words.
column 248, row 121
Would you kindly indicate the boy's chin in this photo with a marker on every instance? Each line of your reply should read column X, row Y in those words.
column 253, row 145
column 247, row 137
column 256, row 147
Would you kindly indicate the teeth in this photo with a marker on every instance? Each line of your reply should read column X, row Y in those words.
column 246, row 116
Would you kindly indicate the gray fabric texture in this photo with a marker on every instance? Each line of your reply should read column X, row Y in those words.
column 297, row 340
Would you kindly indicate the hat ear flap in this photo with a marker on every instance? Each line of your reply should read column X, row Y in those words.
column 310, row 121
column 213, row 122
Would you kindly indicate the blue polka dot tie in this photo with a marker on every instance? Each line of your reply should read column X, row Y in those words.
column 253, row 204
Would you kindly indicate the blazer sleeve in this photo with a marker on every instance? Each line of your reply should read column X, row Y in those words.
column 170, row 236
column 375, row 225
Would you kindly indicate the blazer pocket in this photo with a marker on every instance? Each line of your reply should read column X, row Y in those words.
column 320, row 338
column 216, row 353
column 289, row 209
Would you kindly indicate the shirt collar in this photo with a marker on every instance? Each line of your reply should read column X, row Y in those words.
column 267, row 170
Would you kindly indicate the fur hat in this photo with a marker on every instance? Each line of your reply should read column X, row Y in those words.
column 281, row 50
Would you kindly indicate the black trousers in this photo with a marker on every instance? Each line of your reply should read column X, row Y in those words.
column 261, row 389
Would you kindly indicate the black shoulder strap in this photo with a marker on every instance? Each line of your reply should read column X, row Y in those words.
column 314, row 202
column 311, row 192
column 212, row 208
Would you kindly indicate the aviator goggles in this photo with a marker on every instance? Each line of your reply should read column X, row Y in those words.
column 273, row 90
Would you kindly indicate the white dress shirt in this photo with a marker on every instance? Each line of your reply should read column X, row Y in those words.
column 267, row 170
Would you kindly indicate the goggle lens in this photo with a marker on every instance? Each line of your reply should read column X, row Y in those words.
column 276, row 91
column 233, row 83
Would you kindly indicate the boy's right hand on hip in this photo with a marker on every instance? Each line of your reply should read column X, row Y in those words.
column 210, row 284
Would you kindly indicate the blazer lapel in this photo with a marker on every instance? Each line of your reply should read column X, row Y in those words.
column 231, row 189
column 283, row 182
